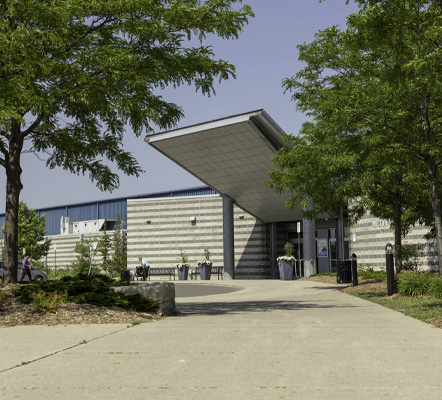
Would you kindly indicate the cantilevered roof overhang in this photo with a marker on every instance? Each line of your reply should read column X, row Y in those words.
column 233, row 156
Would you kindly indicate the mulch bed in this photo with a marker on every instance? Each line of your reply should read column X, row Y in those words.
column 14, row 312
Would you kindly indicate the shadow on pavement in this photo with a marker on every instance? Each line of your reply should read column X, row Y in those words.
column 220, row 308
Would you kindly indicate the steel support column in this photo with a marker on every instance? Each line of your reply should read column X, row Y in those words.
column 309, row 246
column 273, row 251
column 228, row 239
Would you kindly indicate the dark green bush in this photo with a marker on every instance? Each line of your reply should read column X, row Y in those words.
column 436, row 286
column 94, row 290
column 413, row 283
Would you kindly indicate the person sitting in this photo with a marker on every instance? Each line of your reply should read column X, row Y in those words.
column 141, row 270
column 143, row 262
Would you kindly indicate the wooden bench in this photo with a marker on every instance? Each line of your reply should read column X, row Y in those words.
column 162, row 272
column 195, row 272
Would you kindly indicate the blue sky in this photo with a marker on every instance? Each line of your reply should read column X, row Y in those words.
column 264, row 55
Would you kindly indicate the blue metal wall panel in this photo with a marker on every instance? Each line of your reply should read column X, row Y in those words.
column 53, row 217
column 111, row 208
column 104, row 209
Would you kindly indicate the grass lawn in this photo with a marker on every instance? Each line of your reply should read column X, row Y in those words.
column 424, row 308
column 373, row 287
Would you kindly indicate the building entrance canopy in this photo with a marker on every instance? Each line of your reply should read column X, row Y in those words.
column 233, row 156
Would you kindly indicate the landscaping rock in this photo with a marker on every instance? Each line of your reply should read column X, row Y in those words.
column 164, row 292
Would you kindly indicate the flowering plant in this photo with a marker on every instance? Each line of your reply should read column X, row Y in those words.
column 206, row 261
column 288, row 248
column 183, row 260
column 285, row 258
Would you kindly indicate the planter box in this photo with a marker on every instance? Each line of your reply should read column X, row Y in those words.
column 286, row 270
column 183, row 273
column 205, row 271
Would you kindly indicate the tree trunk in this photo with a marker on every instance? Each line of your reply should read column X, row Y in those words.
column 397, row 212
column 436, row 207
column 13, row 189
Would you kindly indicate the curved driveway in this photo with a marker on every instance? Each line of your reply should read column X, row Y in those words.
column 270, row 340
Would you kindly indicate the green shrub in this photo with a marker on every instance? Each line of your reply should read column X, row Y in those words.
column 47, row 301
column 369, row 274
column 288, row 249
column 436, row 286
column 94, row 290
column 61, row 272
column 412, row 255
column 365, row 268
column 413, row 283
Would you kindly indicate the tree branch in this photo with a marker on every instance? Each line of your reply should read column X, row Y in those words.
column 33, row 125
column 88, row 32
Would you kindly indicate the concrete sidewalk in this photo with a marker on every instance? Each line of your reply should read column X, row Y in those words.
column 271, row 340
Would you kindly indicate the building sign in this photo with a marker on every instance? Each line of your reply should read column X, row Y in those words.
column 380, row 223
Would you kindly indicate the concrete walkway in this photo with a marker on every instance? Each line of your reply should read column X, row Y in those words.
column 271, row 340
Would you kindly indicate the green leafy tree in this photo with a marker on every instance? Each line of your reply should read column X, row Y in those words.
column 413, row 255
column 31, row 233
column 85, row 258
column 375, row 119
column 119, row 247
column 408, row 36
column 104, row 248
column 75, row 73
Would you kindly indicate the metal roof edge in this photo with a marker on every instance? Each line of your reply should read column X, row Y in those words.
column 208, row 125
column 174, row 198
column 138, row 196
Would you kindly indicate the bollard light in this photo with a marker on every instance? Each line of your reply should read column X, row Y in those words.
column 389, row 268
column 354, row 269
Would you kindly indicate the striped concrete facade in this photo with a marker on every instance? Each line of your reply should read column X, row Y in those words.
column 64, row 254
column 157, row 229
column 370, row 235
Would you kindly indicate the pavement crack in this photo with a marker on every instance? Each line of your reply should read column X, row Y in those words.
column 83, row 342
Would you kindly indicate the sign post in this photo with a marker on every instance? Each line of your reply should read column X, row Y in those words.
column 298, row 230
column 55, row 268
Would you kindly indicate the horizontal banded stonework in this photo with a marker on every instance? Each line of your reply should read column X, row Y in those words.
column 369, row 237
column 159, row 229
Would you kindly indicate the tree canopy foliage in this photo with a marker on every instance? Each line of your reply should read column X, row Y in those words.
column 374, row 95
column 75, row 73
column 31, row 233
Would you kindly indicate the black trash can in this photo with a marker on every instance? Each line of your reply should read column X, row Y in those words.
column 343, row 271
column 125, row 275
